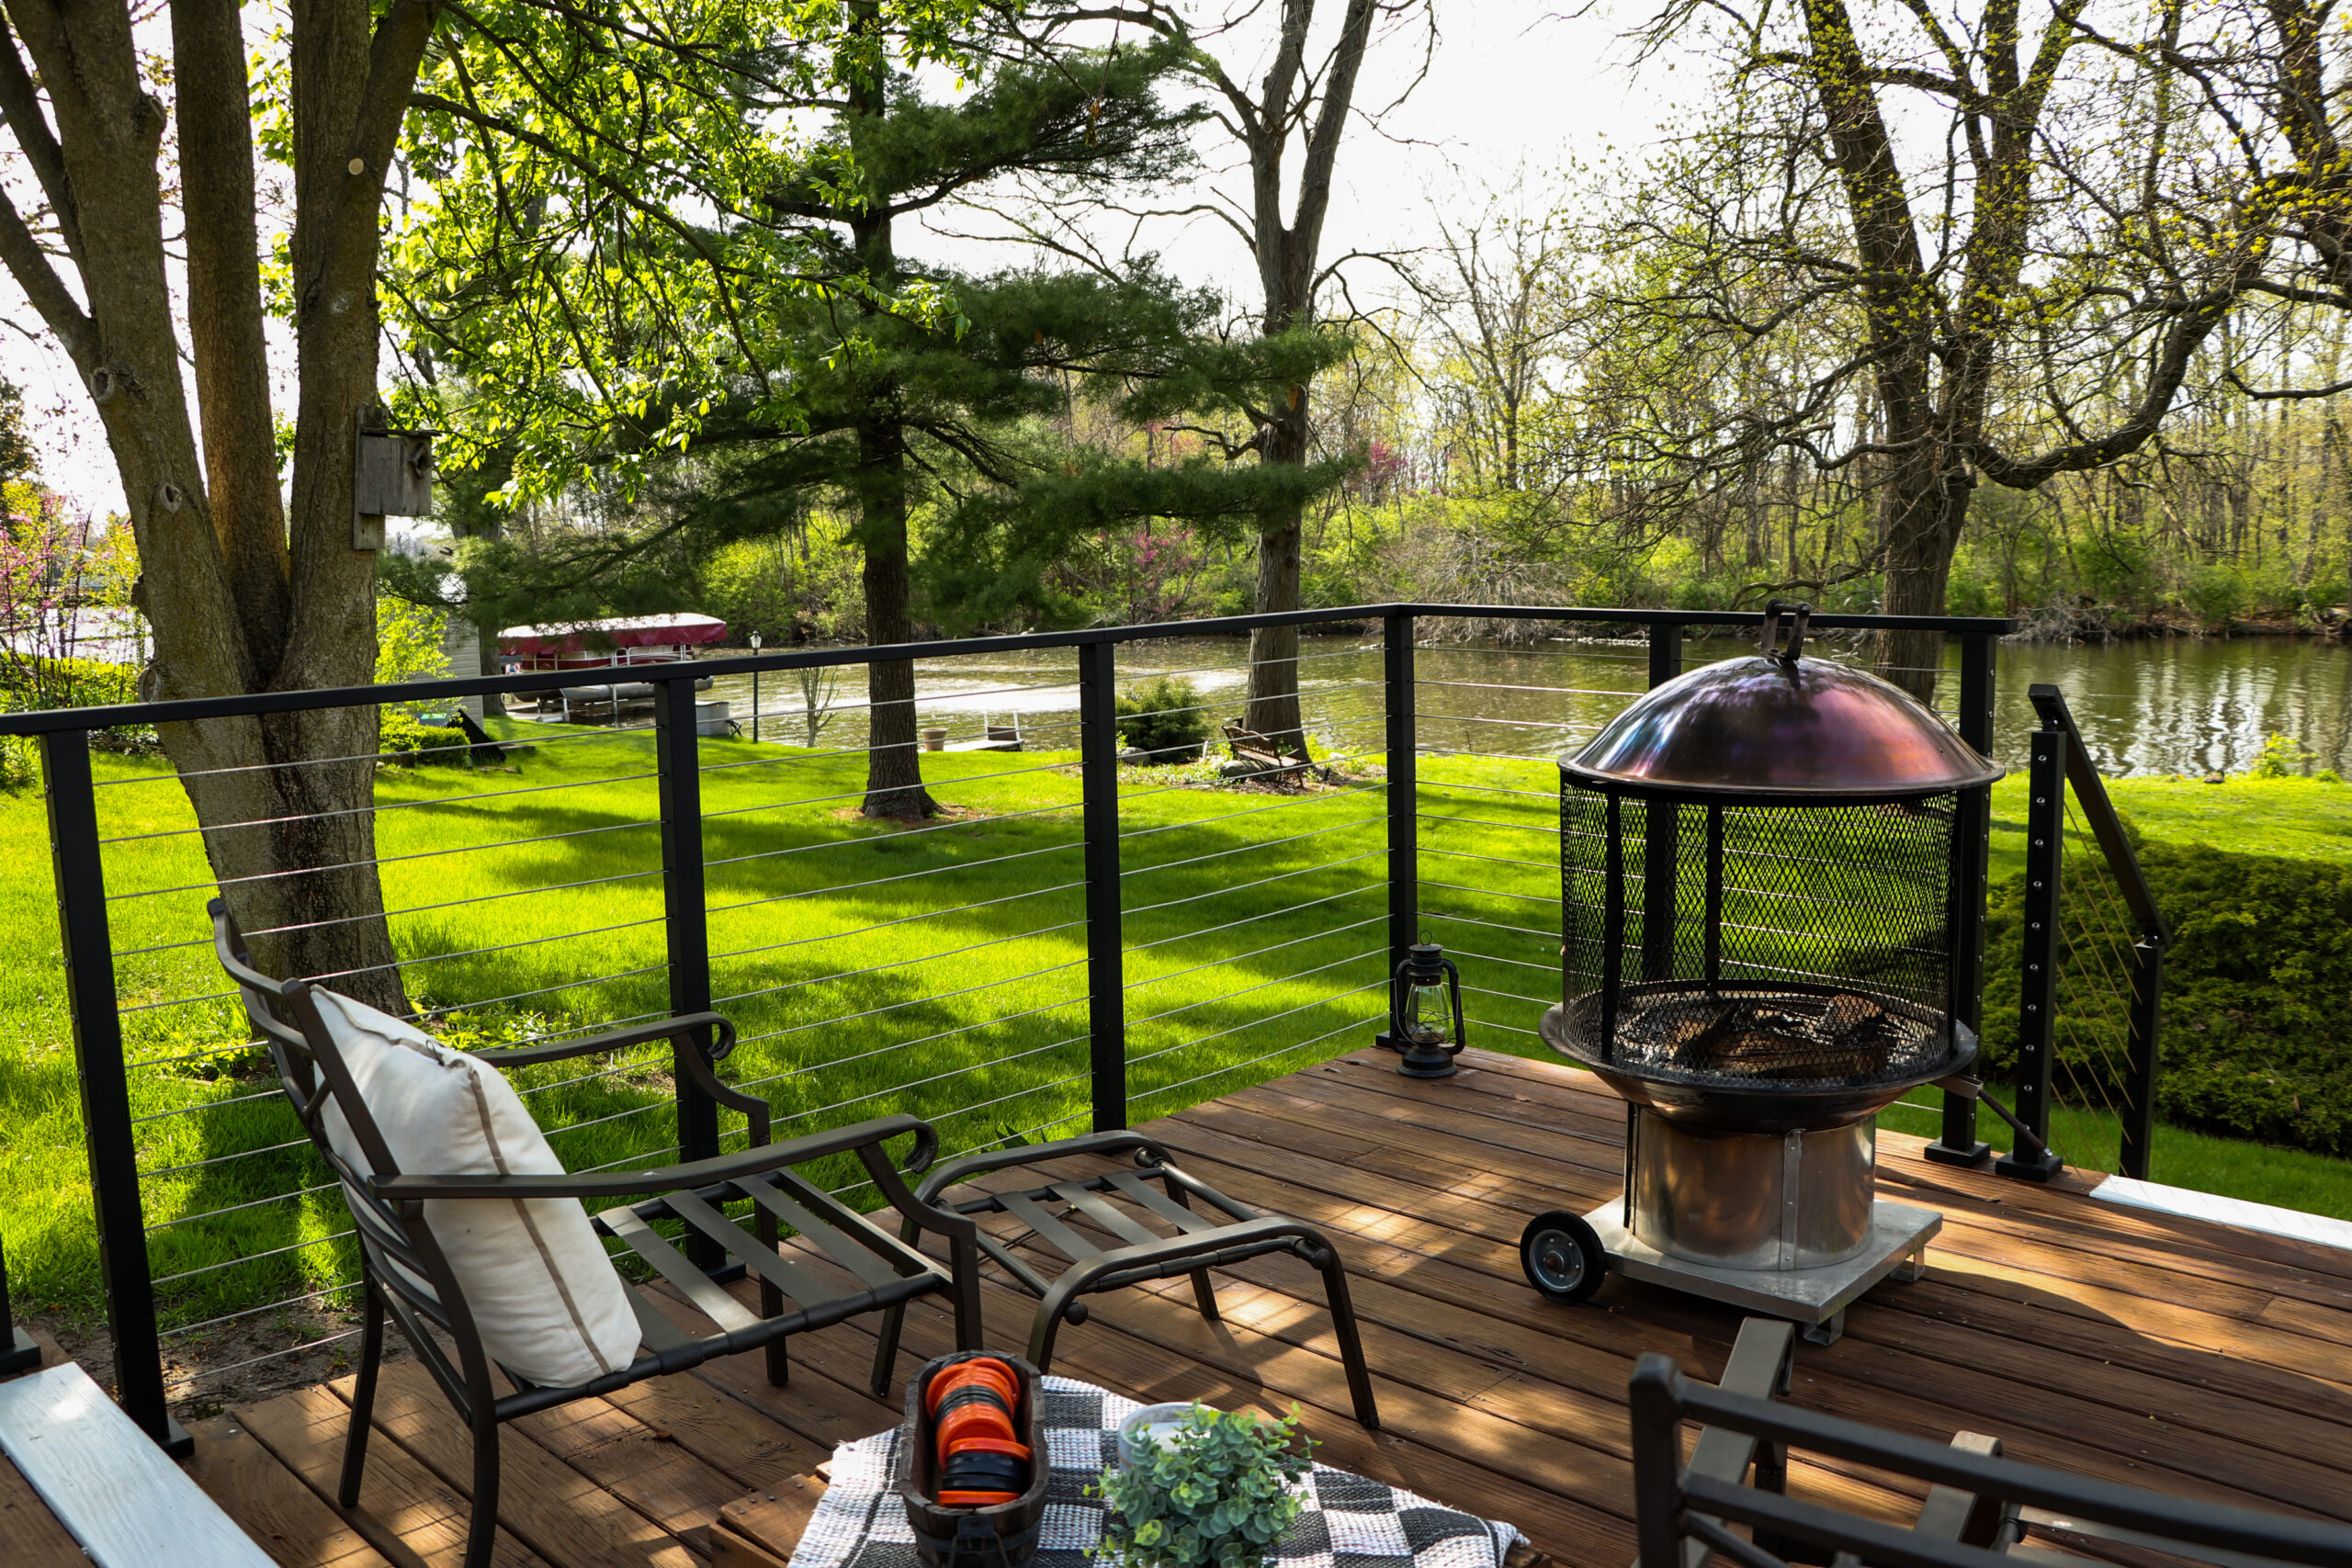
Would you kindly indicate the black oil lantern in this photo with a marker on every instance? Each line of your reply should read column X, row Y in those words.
column 1425, row 1012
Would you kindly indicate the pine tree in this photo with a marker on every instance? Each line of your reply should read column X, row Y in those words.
column 924, row 387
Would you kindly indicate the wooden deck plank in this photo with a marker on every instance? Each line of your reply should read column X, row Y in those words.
column 2056, row 1422
column 563, row 1515
column 772, row 1518
column 1430, row 1256
column 285, row 1517
column 2223, row 1316
column 2145, row 1347
column 1144, row 1369
column 404, row 1510
column 2288, row 1429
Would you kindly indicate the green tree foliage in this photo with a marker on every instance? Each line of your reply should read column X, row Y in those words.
column 16, row 459
column 891, row 392
column 1164, row 718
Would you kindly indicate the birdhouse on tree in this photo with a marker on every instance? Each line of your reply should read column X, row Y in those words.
column 391, row 476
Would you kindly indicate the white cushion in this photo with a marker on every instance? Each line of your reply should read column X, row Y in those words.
column 542, row 1291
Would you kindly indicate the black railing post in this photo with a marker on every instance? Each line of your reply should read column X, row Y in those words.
column 1958, row 1143
column 1661, row 830
column 1106, row 969
column 1404, row 794
column 120, row 1218
column 17, row 1351
column 2139, row 1107
column 2045, row 848
column 2137, row 1110
column 685, row 917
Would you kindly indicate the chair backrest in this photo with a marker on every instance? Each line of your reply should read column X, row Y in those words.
column 404, row 1259
column 1970, row 1487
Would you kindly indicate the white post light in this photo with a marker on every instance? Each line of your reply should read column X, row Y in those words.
column 755, row 691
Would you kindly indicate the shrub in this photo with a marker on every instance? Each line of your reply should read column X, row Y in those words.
column 2280, row 758
column 1218, row 1494
column 2255, row 1041
column 401, row 737
column 2214, row 595
column 2118, row 569
column 31, row 682
column 1163, row 717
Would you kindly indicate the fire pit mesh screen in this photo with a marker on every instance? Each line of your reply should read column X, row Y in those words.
column 1758, row 942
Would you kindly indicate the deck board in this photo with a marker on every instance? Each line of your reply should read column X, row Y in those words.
column 2148, row 1348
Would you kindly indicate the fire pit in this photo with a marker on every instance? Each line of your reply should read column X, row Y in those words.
column 1760, row 877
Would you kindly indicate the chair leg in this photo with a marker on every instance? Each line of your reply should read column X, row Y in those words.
column 1064, row 1301
column 779, row 1365
column 1203, row 1292
column 964, row 1269
column 1343, row 1323
column 363, row 1394
column 1042, row 1329
column 481, row 1537
column 886, row 1354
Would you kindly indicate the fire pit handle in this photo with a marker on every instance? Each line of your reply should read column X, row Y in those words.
column 1802, row 612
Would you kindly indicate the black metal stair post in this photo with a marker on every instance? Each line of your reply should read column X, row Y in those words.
column 686, row 923
column 2045, row 846
column 1106, row 971
column 1403, row 793
column 1958, row 1143
column 121, row 1223
column 2138, row 1111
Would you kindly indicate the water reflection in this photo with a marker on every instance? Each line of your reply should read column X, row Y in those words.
column 2185, row 706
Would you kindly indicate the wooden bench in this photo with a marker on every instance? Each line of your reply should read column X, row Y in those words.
column 123, row 1501
column 1260, row 753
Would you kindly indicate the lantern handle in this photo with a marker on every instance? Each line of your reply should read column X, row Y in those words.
column 1800, row 610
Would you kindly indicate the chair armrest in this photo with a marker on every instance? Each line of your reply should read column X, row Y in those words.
column 722, row 1041
column 862, row 1136
column 963, row 1169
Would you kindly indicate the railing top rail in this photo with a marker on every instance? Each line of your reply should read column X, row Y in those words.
column 2082, row 778
column 55, row 720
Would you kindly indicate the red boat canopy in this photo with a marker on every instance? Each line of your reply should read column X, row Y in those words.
column 626, row 631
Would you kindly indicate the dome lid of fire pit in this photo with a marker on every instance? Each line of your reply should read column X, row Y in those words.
column 1779, row 724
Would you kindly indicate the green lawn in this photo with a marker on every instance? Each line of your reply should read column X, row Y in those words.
column 870, row 968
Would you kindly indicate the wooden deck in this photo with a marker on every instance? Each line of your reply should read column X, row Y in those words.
column 2171, row 1353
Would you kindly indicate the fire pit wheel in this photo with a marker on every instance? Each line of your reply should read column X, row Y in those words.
column 1562, row 1257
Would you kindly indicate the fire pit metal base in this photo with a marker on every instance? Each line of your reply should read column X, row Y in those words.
column 1816, row 1298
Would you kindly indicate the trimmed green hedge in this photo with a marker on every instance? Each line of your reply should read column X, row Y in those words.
column 2256, row 1040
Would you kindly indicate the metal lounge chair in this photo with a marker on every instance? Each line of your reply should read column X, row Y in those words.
column 1979, row 1505
column 406, row 1274
column 1118, row 1205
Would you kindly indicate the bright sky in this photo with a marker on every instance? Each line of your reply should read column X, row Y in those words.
column 1512, row 83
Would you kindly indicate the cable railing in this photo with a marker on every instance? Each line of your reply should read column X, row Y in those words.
column 1074, row 939
column 2090, row 942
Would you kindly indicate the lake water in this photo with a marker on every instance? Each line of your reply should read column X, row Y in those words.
column 2182, row 705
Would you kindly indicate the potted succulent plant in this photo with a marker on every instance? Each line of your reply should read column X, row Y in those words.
column 1217, row 1493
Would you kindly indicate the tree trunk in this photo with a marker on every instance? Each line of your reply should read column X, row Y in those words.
column 1285, row 255
column 894, row 757
column 1273, row 709
column 1924, row 512
column 289, row 839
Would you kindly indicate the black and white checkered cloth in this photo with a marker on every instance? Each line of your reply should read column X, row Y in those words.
column 1349, row 1521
